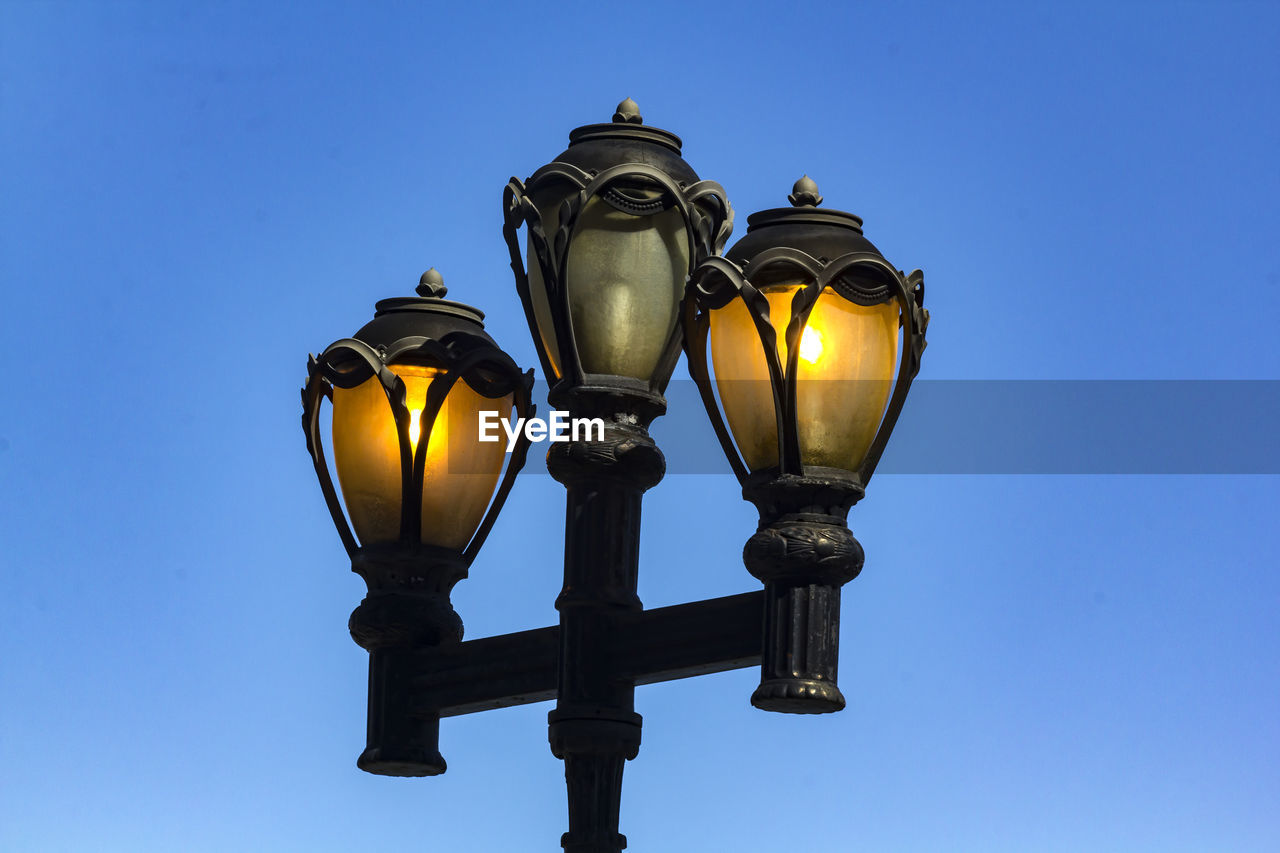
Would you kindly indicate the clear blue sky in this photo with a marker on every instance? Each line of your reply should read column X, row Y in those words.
column 196, row 196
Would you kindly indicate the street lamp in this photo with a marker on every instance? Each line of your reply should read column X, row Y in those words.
column 804, row 316
column 613, row 228
column 406, row 391
column 615, row 250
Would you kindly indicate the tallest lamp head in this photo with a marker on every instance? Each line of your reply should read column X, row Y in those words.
column 612, row 229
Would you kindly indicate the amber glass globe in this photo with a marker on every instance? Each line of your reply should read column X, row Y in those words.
column 844, row 374
column 461, row 472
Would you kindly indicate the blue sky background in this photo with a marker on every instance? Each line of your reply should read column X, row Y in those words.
column 196, row 196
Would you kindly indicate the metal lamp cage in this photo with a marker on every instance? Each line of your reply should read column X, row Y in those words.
column 350, row 362
column 862, row 278
column 628, row 188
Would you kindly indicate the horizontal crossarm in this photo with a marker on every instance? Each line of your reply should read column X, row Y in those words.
column 649, row 646
column 684, row 640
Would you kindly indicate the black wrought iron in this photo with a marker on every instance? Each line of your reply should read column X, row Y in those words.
column 636, row 170
column 803, row 551
column 409, row 583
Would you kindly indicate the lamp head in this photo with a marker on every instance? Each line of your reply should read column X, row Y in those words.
column 806, row 323
column 407, row 391
column 612, row 228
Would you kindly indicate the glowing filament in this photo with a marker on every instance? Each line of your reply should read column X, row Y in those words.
column 415, row 429
column 810, row 345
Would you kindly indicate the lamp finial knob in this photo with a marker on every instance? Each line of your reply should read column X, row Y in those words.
column 805, row 193
column 431, row 285
column 628, row 113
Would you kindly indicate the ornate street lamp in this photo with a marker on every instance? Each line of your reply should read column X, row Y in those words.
column 621, row 239
column 804, row 316
column 421, row 489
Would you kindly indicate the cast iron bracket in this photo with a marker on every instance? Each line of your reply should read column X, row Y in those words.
column 649, row 646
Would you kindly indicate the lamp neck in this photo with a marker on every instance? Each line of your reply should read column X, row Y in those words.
column 408, row 605
column 821, row 495
column 615, row 399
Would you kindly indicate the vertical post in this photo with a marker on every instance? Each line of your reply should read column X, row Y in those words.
column 594, row 728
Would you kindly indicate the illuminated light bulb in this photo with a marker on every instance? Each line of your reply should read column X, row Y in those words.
column 810, row 345
column 415, row 429
column 840, row 397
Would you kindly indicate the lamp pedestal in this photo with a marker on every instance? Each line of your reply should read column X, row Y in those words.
column 804, row 553
column 407, row 610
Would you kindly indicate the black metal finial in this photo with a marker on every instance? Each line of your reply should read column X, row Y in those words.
column 431, row 285
column 805, row 193
column 628, row 113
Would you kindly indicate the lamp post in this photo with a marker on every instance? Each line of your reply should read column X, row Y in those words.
column 620, row 265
